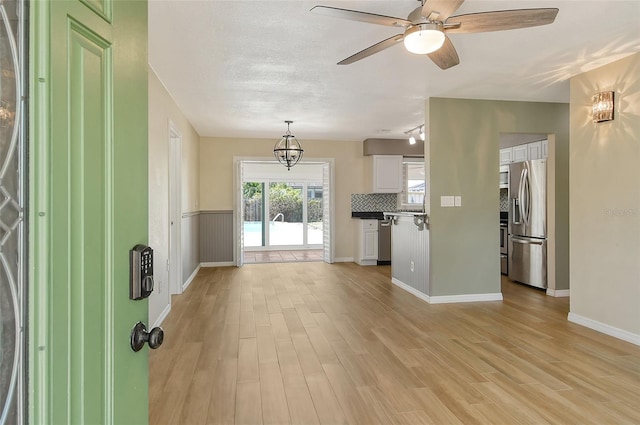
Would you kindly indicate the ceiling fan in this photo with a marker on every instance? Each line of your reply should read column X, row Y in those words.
column 427, row 26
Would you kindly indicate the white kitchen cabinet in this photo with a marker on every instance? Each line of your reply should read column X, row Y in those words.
column 545, row 148
column 520, row 153
column 506, row 156
column 367, row 243
column 387, row 174
column 534, row 150
column 524, row 152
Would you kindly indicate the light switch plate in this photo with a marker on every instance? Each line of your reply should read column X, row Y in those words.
column 458, row 201
column 446, row 201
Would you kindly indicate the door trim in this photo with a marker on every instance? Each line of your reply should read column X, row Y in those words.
column 238, row 166
column 175, row 208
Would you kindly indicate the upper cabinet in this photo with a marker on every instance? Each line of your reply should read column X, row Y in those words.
column 387, row 174
column 525, row 152
column 520, row 153
column 506, row 156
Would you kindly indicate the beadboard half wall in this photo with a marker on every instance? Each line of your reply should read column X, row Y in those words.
column 216, row 236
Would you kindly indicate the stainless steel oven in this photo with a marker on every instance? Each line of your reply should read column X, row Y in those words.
column 504, row 248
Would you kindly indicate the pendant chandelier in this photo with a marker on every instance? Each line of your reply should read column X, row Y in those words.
column 288, row 151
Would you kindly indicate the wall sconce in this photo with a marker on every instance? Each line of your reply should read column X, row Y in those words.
column 602, row 108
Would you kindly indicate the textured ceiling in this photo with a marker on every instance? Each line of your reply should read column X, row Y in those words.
column 240, row 68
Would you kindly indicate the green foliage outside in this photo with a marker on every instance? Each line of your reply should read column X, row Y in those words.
column 283, row 199
column 251, row 190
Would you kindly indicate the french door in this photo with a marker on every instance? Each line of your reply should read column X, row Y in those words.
column 282, row 215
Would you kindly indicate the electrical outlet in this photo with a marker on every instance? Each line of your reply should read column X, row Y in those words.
column 412, row 266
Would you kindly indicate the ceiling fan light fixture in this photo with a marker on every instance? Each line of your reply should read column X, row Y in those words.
column 422, row 39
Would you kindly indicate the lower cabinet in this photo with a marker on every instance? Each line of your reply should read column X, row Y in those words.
column 367, row 243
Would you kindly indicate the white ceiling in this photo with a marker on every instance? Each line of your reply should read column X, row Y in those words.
column 240, row 68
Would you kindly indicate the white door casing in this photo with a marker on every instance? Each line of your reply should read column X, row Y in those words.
column 175, row 209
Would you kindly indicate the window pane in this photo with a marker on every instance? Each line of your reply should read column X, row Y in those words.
column 415, row 183
column 285, row 214
column 314, row 213
column 253, row 223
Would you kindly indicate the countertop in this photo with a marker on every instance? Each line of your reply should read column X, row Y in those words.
column 405, row 213
column 368, row 215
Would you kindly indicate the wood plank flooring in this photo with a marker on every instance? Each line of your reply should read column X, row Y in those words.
column 313, row 343
column 282, row 256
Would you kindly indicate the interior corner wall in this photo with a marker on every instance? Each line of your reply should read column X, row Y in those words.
column 163, row 109
column 464, row 161
column 605, row 200
column 216, row 177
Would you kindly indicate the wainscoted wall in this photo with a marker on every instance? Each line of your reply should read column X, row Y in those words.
column 190, row 244
column 365, row 202
column 216, row 236
column 408, row 244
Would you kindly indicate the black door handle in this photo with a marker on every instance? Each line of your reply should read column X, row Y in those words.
column 139, row 336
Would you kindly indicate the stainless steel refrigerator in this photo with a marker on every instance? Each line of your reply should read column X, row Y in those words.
column 528, row 222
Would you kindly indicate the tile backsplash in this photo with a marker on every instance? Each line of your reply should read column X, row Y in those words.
column 504, row 199
column 366, row 202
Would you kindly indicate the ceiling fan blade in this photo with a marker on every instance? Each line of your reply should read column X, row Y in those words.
column 446, row 56
column 378, row 47
column 354, row 15
column 441, row 9
column 501, row 20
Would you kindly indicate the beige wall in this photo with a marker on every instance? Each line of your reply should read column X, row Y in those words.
column 605, row 200
column 162, row 109
column 216, row 176
column 463, row 150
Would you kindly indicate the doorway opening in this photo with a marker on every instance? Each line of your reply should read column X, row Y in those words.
column 281, row 215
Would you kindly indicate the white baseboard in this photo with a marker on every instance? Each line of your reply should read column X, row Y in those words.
column 343, row 260
column 190, row 279
column 558, row 292
column 466, row 298
column 218, row 264
column 604, row 328
column 446, row 299
column 367, row 262
column 410, row 289
column 162, row 316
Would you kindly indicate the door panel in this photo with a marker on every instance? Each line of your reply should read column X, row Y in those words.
column 90, row 196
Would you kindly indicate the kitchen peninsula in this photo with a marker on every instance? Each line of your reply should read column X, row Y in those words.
column 410, row 252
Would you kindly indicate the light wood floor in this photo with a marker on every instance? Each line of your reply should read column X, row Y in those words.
column 313, row 343
column 282, row 256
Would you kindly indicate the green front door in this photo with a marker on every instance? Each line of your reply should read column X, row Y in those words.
column 88, row 208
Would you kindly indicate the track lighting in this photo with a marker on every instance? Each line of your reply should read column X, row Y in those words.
column 412, row 138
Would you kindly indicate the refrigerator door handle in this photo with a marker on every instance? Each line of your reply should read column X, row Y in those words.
column 527, row 241
column 520, row 196
column 525, row 201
